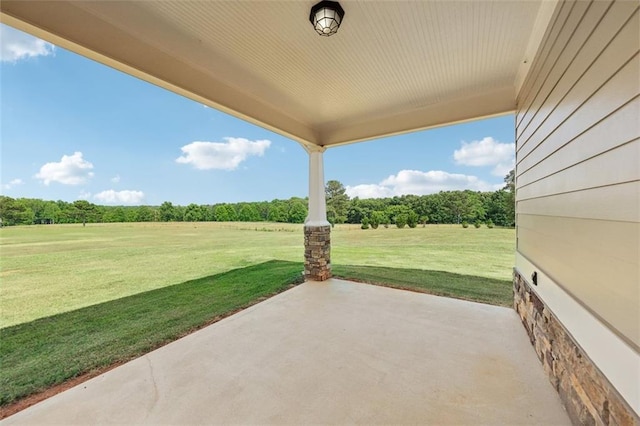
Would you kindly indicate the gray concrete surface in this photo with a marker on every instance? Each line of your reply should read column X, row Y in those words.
column 332, row 353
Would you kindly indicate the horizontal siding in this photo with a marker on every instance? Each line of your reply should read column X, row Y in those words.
column 549, row 43
column 612, row 70
column 617, row 202
column 578, row 160
column 579, row 56
column 618, row 91
column 598, row 265
column 612, row 131
column 586, row 16
column 592, row 173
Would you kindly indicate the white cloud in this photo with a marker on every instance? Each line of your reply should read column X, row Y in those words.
column 84, row 195
column 487, row 152
column 369, row 191
column 420, row 183
column 16, row 45
column 12, row 183
column 120, row 197
column 71, row 170
column 221, row 155
column 115, row 179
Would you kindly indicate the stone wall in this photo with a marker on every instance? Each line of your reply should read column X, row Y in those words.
column 317, row 253
column 587, row 395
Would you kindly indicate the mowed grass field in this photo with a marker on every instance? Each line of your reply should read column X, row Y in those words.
column 50, row 269
column 76, row 300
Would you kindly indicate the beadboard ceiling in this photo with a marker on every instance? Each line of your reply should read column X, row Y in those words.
column 393, row 67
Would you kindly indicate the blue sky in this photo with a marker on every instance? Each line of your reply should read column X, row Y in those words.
column 75, row 129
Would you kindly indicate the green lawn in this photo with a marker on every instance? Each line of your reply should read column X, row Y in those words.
column 49, row 269
column 75, row 299
column 48, row 351
column 440, row 283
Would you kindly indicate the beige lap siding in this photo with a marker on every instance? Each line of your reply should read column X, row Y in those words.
column 578, row 178
column 578, row 160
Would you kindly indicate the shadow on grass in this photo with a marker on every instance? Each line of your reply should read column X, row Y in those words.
column 46, row 352
column 440, row 283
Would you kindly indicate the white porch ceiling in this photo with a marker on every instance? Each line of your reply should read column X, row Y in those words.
column 393, row 67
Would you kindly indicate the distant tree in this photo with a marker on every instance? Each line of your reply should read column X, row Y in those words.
column 144, row 214
column 495, row 204
column 208, row 213
column 397, row 210
column 401, row 220
column 297, row 212
column 178, row 213
column 85, row 211
column 114, row 214
column 443, row 207
column 37, row 206
column 355, row 213
column 232, row 213
column 365, row 223
column 376, row 219
column 249, row 213
column 331, row 215
column 51, row 211
column 13, row 212
column 412, row 219
column 193, row 213
column 220, row 213
column 510, row 201
column 225, row 213
column 167, row 212
column 337, row 200
column 510, row 181
column 277, row 214
column 263, row 208
column 436, row 209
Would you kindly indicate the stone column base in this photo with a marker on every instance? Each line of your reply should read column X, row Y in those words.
column 586, row 394
column 317, row 253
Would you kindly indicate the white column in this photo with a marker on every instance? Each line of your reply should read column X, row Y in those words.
column 317, row 204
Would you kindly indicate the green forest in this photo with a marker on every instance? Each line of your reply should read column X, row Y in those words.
column 448, row 207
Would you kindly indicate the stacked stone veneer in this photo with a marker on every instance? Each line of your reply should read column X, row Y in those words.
column 587, row 395
column 317, row 253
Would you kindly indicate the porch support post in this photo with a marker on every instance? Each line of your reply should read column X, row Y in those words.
column 317, row 230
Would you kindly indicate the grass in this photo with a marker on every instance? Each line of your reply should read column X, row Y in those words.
column 440, row 283
column 75, row 299
column 50, row 269
column 47, row 351
column 482, row 252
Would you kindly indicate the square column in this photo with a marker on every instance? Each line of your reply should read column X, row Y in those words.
column 317, row 252
column 317, row 230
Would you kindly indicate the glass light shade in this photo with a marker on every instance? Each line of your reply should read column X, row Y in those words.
column 326, row 17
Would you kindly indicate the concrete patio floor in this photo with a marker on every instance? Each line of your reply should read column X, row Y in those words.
column 334, row 352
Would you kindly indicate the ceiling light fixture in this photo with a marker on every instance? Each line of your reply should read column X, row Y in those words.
column 326, row 17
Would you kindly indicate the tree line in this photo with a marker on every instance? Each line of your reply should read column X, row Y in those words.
column 444, row 207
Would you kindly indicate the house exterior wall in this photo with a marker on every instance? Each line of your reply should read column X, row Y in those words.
column 578, row 183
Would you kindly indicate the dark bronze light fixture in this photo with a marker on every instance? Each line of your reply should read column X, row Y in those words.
column 326, row 17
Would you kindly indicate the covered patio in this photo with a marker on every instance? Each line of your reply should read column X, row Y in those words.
column 332, row 352
column 337, row 352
